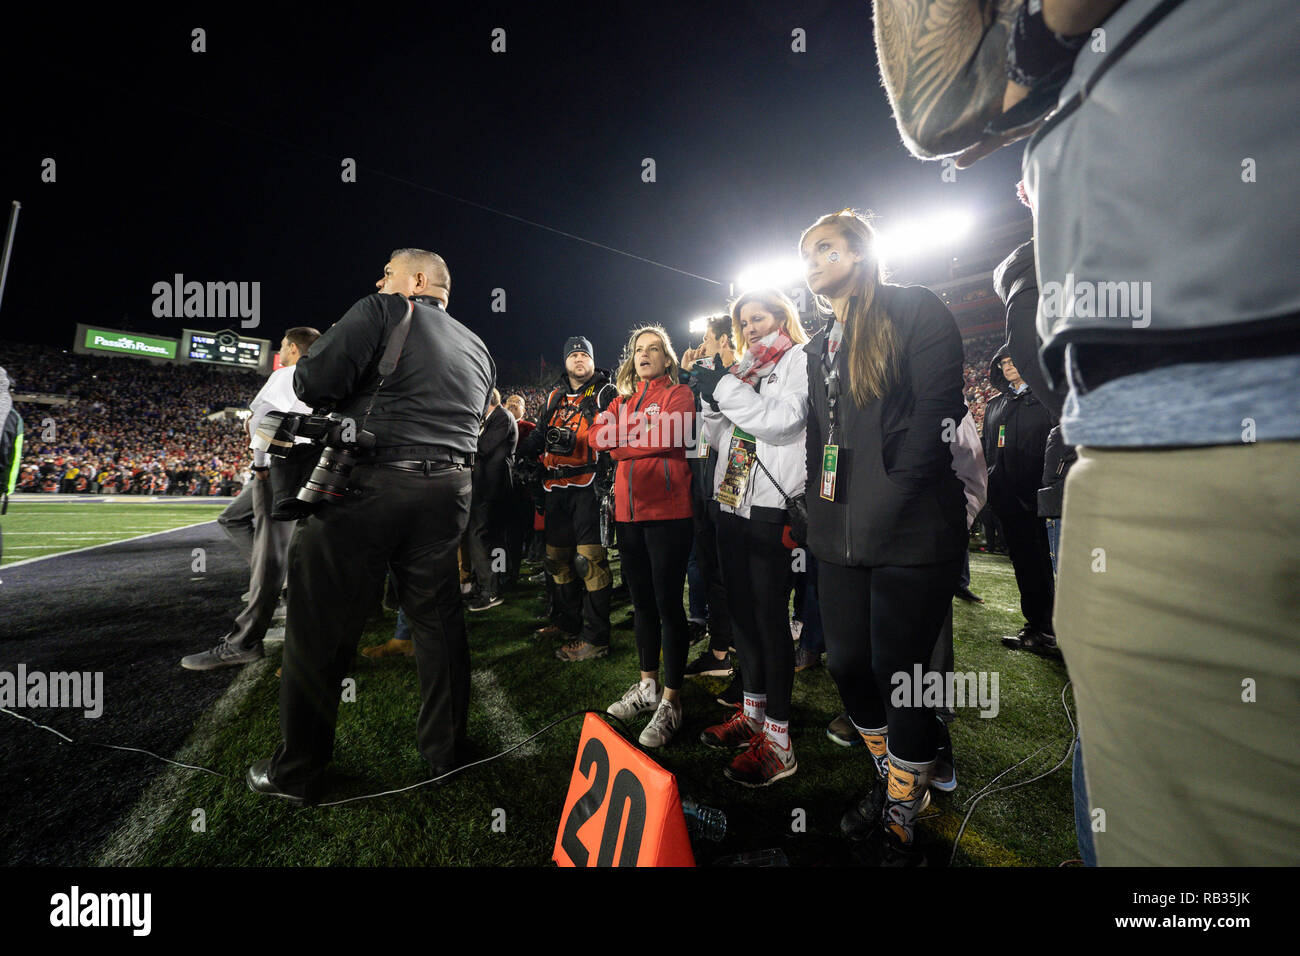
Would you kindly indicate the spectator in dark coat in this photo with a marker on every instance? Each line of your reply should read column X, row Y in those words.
column 1016, row 424
column 491, row 504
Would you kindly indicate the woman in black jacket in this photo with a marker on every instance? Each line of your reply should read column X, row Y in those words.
column 886, row 513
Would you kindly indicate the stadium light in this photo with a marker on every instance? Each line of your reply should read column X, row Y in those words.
column 775, row 273
column 910, row 239
column 698, row 326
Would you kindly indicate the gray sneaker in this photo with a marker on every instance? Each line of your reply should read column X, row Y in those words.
column 662, row 726
column 223, row 655
column 641, row 698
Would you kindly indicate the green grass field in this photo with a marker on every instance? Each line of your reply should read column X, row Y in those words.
column 34, row 528
column 519, row 687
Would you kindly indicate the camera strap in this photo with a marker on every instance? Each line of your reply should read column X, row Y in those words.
column 388, row 361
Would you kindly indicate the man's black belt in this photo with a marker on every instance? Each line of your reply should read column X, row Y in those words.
column 417, row 454
column 425, row 467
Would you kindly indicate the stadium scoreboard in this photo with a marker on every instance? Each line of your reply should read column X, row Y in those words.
column 226, row 348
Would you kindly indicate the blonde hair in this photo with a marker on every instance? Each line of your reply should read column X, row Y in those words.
column 870, row 338
column 627, row 378
column 774, row 301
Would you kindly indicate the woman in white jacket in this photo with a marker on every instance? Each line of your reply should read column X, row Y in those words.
column 754, row 413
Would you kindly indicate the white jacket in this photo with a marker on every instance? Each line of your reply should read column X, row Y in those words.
column 968, row 464
column 777, row 417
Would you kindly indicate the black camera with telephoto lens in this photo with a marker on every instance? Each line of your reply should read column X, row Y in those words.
column 282, row 434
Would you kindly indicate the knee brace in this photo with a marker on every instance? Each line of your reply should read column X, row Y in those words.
column 594, row 566
column 557, row 564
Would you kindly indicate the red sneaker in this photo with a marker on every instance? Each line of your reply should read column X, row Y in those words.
column 763, row 763
column 736, row 732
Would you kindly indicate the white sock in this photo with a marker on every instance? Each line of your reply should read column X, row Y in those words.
column 650, row 688
column 778, row 731
column 755, row 707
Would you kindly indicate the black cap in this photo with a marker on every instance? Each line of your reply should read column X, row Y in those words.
column 578, row 344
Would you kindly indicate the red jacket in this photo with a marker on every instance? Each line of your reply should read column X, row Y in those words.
column 646, row 433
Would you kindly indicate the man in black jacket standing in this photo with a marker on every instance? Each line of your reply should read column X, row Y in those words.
column 1016, row 424
column 491, row 505
column 405, row 510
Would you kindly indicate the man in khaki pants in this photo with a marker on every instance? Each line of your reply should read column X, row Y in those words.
column 1170, row 312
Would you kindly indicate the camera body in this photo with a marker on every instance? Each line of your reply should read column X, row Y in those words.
column 560, row 441
column 342, row 443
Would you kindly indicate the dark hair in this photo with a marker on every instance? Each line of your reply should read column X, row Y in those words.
column 719, row 324
column 302, row 336
column 430, row 263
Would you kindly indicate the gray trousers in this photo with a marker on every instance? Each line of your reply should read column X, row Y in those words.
column 269, row 560
column 237, row 521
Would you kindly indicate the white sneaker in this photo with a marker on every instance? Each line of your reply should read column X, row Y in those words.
column 641, row 698
column 662, row 725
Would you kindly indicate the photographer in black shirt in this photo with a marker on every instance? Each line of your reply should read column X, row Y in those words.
column 404, row 511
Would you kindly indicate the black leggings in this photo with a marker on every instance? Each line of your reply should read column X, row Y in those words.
column 756, row 569
column 880, row 622
column 654, row 556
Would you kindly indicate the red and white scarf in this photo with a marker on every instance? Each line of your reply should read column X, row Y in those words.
column 761, row 357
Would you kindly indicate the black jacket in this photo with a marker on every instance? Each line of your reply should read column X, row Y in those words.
column 897, row 500
column 1016, row 284
column 1057, row 461
column 434, row 400
column 495, row 446
column 1015, row 441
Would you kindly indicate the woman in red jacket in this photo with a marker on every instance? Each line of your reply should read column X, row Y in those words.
column 645, row 430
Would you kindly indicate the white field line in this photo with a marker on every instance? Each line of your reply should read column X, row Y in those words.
column 507, row 721
column 82, row 534
column 159, row 801
column 106, row 544
column 48, row 499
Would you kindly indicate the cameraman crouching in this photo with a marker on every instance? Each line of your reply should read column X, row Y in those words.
column 405, row 509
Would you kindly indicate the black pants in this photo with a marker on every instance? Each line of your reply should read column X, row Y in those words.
column 706, row 559
column 488, row 517
column 1031, row 557
column 519, row 526
column 756, row 569
column 405, row 523
column 573, row 521
column 880, row 622
column 654, row 556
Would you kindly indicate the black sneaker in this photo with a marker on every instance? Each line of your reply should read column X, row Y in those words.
column 966, row 594
column 706, row 665
column 698, row 630
column 1035, row 641
column 485, row 601
column 735, row 692
column 842, row 732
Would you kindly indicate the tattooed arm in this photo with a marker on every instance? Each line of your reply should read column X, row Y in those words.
column 943, row 65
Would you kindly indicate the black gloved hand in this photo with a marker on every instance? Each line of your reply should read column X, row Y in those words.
column 588, row 409
column 704, row 381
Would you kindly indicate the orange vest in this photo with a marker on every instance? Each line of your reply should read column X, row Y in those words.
column 566, row 415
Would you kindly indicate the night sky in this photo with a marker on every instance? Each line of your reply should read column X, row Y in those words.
column 226, row 165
